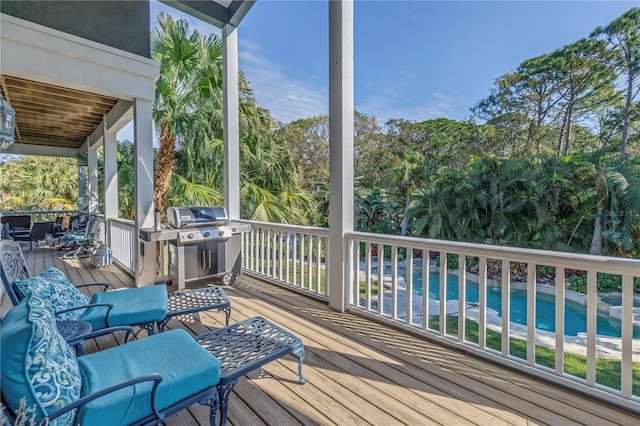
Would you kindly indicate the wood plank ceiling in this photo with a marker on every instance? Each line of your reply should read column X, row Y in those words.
column 52, row 115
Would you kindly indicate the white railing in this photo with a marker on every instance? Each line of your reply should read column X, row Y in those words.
column 42, row 215
column 471, row 321
column 123, row 240
column 291, row 255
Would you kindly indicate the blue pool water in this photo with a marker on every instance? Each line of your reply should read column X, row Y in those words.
column 575, row 320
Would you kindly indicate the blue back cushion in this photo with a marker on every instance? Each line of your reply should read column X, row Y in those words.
column 37, row 364
column 53, row 286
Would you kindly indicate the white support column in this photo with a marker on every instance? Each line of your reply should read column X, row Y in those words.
column 341, row 104
column 82, row 187
column 92, row 167
column 110, row 177
column 143, row 171
column 231, row 113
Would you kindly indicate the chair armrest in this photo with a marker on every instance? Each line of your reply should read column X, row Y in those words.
column 153, row 377
column 102, row 332
column 109, row 306
column 103, row 285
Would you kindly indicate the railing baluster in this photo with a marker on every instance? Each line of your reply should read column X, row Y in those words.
column 294, row 259
column 409, row 286
column 318, row 262
column 394, row 282
column 626, row 371
column 425, row 289
column 531, row 313
column 367, row 293
column 462, row 286
column 482, row 302
column 560, row 305
column 506, row 305
column 592, row 325
column 443, row 293
column 381, row 279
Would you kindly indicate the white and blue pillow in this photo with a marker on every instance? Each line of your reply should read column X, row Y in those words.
column 37, row 364
column 56, row 289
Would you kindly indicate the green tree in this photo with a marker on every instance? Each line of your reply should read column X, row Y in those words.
column 37, row 183
column 617, row 202
column 623, row 38
column 585, row 82
column 505, row 112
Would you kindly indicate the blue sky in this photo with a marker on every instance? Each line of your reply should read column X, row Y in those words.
column 413, row 59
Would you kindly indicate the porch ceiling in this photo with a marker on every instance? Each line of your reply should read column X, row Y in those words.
column 52, row 115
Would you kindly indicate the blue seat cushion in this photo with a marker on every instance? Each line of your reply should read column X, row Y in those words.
column 37, row 364
column 130, row 306
column 53, row 286
column 185, row 366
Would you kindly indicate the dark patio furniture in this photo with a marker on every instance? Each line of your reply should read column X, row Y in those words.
column 39, row 232
column 18, row 224
column 185, row 302
column 244, row 347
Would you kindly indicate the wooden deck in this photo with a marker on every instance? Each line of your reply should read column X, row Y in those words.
column 359, row 372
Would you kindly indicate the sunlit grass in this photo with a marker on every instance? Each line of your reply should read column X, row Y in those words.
column 608, row 371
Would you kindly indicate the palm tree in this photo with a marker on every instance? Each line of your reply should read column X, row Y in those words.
column 178, row 95
column 406, row 176
column 617, row 203
column 36, row 183
column 188, row 112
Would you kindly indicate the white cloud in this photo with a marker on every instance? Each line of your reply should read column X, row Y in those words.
column 390, row 105
column 287, row 95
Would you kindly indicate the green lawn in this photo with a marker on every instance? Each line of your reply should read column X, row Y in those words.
column 608, row 371
column 272, row 267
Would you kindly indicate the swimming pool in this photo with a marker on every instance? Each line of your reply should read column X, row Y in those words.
column 575, row 320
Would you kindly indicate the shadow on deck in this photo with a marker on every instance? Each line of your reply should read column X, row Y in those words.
column 359, row 372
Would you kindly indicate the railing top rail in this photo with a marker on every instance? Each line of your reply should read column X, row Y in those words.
column 614, row 265
column 122, row 221
column 285, row 227
column 37, row 212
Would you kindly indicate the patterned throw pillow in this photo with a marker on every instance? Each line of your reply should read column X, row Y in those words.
column 56, row 289
column 39, row 369
column 52, row 367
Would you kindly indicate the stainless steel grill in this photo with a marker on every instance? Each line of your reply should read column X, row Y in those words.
column 203, row 243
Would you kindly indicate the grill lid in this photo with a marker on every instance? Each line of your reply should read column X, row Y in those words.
column 192, row 217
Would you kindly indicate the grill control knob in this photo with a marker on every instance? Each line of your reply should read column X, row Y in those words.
column 221, row 233
column 206, row 234
column 190, row 235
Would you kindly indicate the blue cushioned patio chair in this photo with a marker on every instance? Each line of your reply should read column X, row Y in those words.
column 141, row 306
column 81, row 237
column 141, row 382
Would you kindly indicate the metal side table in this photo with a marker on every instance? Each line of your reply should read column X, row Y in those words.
column 244, row 347
column 184, row 302
column 71, row 329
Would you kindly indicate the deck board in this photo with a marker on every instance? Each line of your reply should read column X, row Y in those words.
column 359, row 371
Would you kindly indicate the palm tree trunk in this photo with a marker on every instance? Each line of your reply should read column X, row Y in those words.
column 164, row 167
column 625, row 119
column 596, row 239
column 403, row 232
